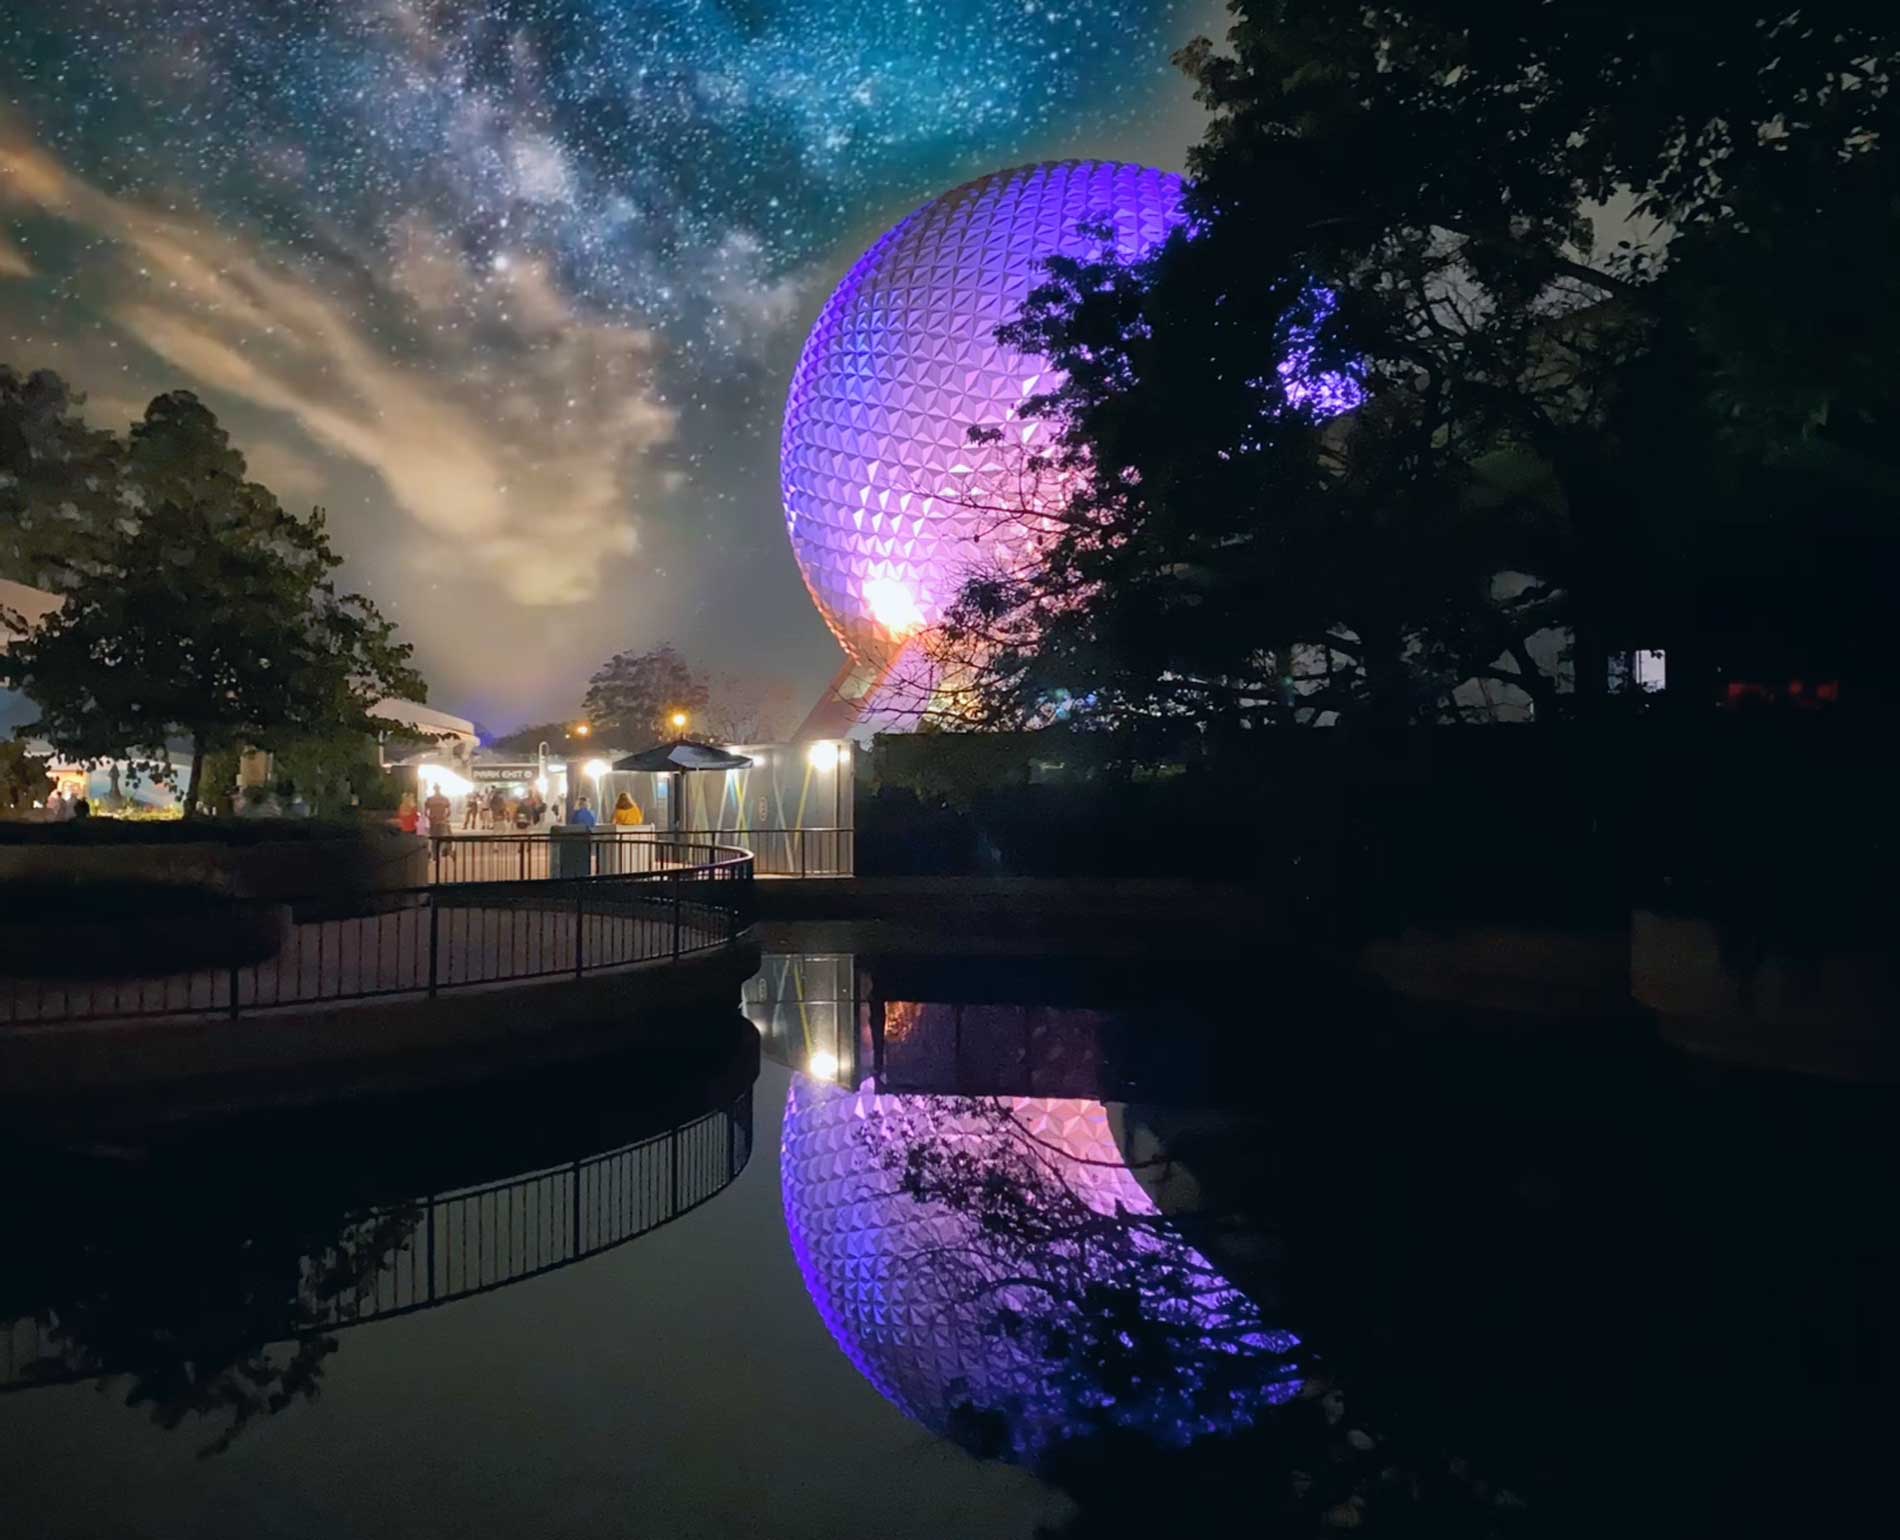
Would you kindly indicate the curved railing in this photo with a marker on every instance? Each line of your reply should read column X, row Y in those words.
column 425, row 941
column 433, row 1250
column 534, row 855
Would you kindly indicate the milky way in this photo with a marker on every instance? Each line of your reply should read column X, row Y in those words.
column 513, row 287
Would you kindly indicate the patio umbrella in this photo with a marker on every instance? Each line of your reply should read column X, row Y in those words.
column 682, row 754
column 677, row 759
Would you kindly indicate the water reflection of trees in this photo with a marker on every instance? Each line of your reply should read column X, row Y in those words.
column 217, row 1302
column 1070, row 1263
column 217, row 1325
column 994, row 1268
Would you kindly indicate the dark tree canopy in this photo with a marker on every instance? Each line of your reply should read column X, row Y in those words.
column 59, row 478
column 525, row 740
column 634, row 694
column 1405, row 194
column 206, row 612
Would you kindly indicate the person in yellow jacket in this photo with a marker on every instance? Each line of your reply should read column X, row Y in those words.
column 627, row 812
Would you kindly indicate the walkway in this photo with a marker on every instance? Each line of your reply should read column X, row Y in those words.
column 424, row 942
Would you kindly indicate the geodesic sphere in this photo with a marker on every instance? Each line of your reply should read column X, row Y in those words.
column 910, row 1290
column 875, row 463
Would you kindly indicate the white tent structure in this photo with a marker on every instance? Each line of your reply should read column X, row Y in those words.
column 455, row 736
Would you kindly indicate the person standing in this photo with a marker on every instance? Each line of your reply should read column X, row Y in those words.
column 583, row 816
column 627, row 814
column 441, row 816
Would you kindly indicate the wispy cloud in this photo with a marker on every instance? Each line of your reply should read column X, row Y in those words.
column 13, row 261
column 512, row 430
column 295, row 478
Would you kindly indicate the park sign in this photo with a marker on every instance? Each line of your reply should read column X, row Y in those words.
column 505, row 774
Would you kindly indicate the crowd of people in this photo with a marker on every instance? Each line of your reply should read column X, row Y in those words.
column 496, row 809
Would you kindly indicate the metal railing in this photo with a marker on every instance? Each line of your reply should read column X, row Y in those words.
column 425, row 941
column 531, row 857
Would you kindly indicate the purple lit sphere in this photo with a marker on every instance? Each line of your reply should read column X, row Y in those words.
column 911, row 1289
column 903, row 362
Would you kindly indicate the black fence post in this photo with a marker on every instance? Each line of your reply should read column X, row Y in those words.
column 435, row 930
column 580, row 926
column 676, row 918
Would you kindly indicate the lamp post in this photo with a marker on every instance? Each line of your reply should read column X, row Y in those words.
column 574, row 770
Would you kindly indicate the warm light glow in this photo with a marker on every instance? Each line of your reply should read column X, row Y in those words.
column 824, row 755
column 893, row 607
column 581, row 730
column 824, row 1065
column 597, row 768
column 446, row 781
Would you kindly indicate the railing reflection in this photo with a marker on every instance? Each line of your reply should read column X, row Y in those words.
column 378, row 1262
column 468, row 1242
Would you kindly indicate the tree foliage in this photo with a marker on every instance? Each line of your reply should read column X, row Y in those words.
column 747, row 708
column 24, row 782
column 634, row 694
column 525, row 740
column 59, row 478
column 1402, row 195
column 205, row 611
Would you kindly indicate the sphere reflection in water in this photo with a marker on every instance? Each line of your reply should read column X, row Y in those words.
column 952, row 1305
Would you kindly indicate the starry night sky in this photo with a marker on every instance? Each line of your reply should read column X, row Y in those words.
column 513, row 288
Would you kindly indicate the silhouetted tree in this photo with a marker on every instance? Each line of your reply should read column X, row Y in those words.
column 633, row 694
column 23, row 777
column 59, row 478
column 1402, row 194
column 525, row 740
column 211, row 612
column 747, row 708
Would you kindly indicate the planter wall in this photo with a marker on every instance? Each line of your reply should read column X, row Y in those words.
column 341, row 872
column 1535, row 971
column 1827, row 1011
column 178, row 938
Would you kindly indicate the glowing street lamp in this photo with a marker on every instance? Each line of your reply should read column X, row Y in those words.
column 679, row 721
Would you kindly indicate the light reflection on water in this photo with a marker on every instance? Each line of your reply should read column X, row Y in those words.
column 980, row 1248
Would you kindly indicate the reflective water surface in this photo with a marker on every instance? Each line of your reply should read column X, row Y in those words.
column 972, row 1249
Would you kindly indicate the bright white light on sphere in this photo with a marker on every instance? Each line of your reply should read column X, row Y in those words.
column 875, row 464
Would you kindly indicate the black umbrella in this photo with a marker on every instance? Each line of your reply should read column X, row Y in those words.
column 682, row 754
column 676, row 759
